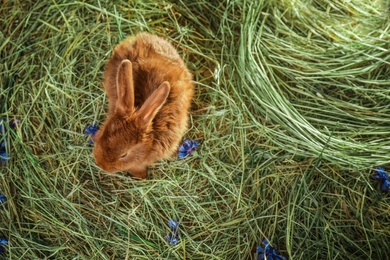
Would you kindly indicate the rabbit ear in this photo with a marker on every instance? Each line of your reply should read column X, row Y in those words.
column 125, row 88
column 152, row 105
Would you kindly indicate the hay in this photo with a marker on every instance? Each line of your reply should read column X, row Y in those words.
column 291, row 111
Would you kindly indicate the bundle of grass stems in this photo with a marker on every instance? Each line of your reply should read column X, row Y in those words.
column 292, row 113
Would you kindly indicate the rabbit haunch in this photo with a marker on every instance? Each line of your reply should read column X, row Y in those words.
column 149, row 89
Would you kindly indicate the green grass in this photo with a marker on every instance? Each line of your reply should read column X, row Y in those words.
column 292, row 111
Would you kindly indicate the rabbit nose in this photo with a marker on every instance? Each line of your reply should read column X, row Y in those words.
column 100, row 164
column 106, row 168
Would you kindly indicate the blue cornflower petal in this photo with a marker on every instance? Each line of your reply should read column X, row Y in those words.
column 183, row 148
column 186, row 148
column 3, row 242
column 173, row 237
column 385, row 185
column 90, row 130
column 380, row 174
column 3, row 157
column 172, row 240
column 268, row 252
column 187, row 144
column 3, row 198
column 380, row 170
column 173, row 223
column 182, row 155
column 194, row 144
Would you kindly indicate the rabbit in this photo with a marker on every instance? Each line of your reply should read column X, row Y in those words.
column 149, row 90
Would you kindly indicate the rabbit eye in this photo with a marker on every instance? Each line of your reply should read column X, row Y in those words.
column 124, row 155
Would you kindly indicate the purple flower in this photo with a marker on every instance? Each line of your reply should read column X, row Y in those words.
column 268, row 251
column 383, row 177
column 91, row 131
column 3, row 199
column 187, row 148
column 173, row 237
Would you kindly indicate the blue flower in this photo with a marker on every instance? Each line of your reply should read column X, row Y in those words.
column 383, row 177
column 91, row 130
column 3, row 198
column 173, row 238
column 173, row 224
column 380, row 174
column 268, row 251
column 385, row 185
column 3, row 156
column 187, row 148
column 3, row 242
